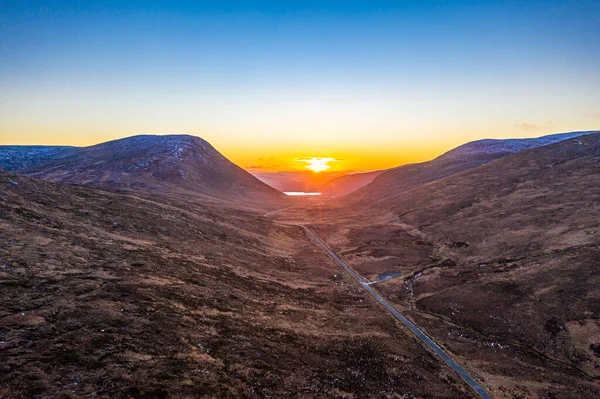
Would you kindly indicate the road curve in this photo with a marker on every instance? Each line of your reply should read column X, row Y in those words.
column 416, row 330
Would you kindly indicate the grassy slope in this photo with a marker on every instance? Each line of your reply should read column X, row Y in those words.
column 113, row 295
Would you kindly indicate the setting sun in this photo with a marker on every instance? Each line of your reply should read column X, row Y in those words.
column 317, row 164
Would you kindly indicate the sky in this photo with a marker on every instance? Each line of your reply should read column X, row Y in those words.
column 370, row 84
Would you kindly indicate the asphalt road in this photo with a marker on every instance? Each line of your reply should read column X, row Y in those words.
column 420, row 334
column 278, row 210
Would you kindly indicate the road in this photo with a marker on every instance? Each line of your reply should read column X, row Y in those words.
column 416, row 330
column 278, row 210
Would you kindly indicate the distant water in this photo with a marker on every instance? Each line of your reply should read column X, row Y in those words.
column 387, row 276
column 298, row 193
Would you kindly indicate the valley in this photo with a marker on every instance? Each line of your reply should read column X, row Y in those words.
column 480, row 282
column 114, row 295
column 299, row 199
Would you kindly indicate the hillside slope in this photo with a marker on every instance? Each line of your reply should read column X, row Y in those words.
column 347, row 184
column 18, row 157
column 467, row 156
column 155, row 164
column 532, row 225
column 499, row 262
column 112, row 295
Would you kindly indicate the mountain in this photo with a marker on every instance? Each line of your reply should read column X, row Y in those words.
column 17, row 157
column 529, row 222
column 509, row 146
column 157, row 164
column 346, row 184
column 499, row 262
column 108, row 294
column 467, row 156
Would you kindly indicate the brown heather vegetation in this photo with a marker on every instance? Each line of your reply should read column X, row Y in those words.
column 113, row 295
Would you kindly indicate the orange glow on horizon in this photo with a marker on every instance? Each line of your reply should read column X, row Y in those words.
column 258, row 153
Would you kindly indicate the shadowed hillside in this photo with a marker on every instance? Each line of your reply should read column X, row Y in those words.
column 154, row 164
column 467, row 156
column 349, row 183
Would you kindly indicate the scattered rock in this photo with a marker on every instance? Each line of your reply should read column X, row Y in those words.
column 554, row 326
column 596, row 349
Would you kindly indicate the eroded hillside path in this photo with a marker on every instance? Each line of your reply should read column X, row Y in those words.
column 424, row 338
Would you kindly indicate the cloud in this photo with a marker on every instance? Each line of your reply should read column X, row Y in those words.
column 527, row 126
column 530, row 126
column 311, row 159
column 263, row 168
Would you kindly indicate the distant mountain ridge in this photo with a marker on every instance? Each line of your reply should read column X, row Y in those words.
column 346, row 184
column 467, row 156
column 498, row 146
column 157, row 164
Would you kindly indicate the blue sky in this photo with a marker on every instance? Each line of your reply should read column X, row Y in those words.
column 391, row 80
